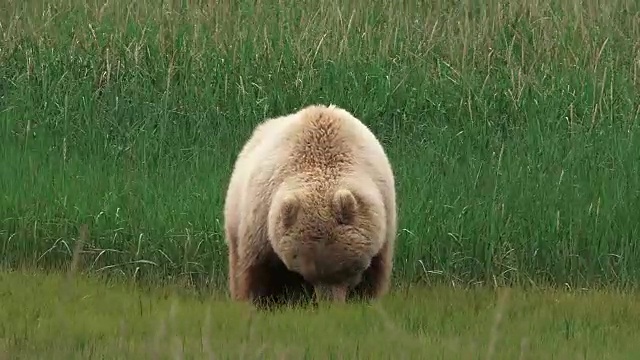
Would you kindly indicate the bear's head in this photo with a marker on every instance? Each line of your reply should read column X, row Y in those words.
column 327, row 237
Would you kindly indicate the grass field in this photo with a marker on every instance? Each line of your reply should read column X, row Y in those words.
column 88, row 318
column 512, row 128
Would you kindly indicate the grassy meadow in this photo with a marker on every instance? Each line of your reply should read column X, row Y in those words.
column 80, row 318
column 512, row 128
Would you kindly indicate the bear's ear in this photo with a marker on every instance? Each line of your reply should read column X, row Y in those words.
column 289, row 210
column 345, row 206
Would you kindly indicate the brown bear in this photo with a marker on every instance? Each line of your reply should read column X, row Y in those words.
column 310, row 208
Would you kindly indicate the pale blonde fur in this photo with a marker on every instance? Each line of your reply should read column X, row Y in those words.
column 312, row 164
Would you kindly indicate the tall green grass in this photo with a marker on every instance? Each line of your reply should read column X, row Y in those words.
column 512, row 128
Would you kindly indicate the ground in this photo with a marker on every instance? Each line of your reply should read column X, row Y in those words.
column 81, row 316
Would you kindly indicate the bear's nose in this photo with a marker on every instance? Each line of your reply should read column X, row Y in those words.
column 308, row 270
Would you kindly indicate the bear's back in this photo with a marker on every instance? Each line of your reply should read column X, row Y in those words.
column 316, row 138
column 328, row 144
column 319, row 146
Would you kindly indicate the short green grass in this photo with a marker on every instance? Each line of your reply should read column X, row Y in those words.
column 90, row 318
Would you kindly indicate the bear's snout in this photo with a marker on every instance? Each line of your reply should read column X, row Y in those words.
column 309, row 270
column 329, row 271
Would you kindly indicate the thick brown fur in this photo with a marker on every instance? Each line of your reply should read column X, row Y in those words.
column 311, row 200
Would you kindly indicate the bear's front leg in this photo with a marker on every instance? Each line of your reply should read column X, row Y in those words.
column 375, row 280
column 269, row 283
column 255, row 284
